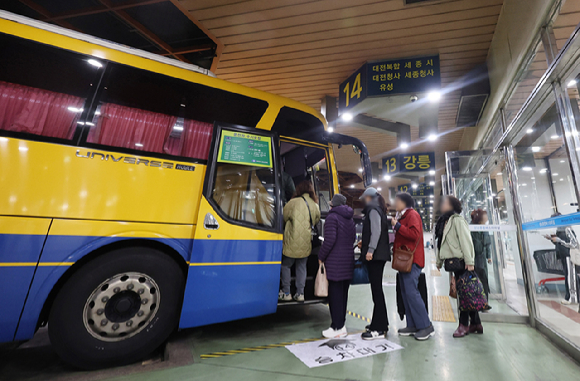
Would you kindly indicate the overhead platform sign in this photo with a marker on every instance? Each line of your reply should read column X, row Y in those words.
column 408, row 162
column 385, row 78
column 420, row 191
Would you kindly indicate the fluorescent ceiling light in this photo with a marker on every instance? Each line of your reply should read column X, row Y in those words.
column 434, row 96
column 536, row 149
column 572, row 83
column 330, row 129
column 387, row 177
column 404, row 145
column 432, row 137
column 95, row 63
column 138, row 145
column 347, row 116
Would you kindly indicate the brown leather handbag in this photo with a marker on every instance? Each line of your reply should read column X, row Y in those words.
column 403, row 258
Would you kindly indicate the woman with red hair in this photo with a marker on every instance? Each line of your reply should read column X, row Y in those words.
column 482, row 247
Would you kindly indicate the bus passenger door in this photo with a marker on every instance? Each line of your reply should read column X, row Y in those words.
column 234, row 269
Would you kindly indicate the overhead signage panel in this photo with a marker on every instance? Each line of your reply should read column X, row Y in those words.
column 408, row 162
column 404, row 76
column 422, row 190
column 385, row 78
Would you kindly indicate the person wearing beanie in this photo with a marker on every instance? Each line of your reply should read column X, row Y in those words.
column 337, row 255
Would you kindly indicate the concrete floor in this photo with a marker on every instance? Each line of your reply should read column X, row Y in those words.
column 504, row 352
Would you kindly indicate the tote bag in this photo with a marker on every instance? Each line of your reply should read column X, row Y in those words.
column 321, row 283
column 470, row 292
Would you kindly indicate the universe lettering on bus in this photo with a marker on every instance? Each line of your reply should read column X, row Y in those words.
column 135, row 160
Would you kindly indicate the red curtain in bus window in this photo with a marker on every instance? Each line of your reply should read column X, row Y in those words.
column 37, row 111
column 193, row 141
column 127, row 127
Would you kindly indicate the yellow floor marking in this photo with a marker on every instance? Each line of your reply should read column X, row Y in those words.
column 435, row 272
column 442, row 310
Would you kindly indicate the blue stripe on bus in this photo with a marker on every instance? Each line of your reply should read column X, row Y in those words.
column 215, row 291
column 15, row 281
column 57, row 249
column 221, row 292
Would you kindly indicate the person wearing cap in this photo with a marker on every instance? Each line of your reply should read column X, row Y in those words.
column 376, row 252
column 337, row 254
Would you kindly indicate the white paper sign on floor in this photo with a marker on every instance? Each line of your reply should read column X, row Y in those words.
column 330, row 351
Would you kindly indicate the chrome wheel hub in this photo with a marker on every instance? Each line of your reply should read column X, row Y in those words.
column 121, row 306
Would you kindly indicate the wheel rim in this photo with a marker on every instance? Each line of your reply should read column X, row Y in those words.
column 121, row 306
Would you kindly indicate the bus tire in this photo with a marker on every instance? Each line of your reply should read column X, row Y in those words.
column 117, row 308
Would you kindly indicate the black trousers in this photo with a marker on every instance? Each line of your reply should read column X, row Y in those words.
column 380, row 320
column 337, row 300
column 466, row 316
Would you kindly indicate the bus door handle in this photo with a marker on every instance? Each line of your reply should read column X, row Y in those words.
column 210, row 222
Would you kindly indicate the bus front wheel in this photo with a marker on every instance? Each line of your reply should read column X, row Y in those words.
column 117, row 308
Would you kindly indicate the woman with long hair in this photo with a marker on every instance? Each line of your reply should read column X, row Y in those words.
column 301, row 213
column 482, row 248
column 375, row 252
column 454, row 242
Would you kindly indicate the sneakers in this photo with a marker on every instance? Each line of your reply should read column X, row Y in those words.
column 282, row 297
column 425, row 333
column 409, row 331
column 299, row 297
column 566, row 302
column 332, row 333
column 373, row 335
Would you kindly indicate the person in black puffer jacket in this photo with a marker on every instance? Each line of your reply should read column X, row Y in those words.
column 337, row 254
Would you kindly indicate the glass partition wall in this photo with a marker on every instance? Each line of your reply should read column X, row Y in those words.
column 527, row 181
column 477, row 178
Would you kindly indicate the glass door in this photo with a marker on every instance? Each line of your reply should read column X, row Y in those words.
column 478, row 179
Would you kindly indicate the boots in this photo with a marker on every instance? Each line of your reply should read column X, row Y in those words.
column 476, row 328
column 461, row 331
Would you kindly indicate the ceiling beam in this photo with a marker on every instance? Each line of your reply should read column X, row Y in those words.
column 43, row 12
column 142, row 30
column 100, row 9
column 219, row 45
column 190, row 49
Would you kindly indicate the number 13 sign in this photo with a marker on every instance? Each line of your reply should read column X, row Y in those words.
column 353, row 90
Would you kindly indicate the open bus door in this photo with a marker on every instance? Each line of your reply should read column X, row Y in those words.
column 234, row 269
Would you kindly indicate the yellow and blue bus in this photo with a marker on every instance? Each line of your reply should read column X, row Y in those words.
column 139, row 194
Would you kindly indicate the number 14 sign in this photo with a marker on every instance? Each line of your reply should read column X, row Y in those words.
column 353, row 90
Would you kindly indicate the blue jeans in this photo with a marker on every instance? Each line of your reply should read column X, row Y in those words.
column 417, row 316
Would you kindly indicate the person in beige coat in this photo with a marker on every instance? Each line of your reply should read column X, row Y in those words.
column 300, row 214
column 454, row 241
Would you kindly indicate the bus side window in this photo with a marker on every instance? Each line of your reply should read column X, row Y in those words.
column 246, row 193
column 150, row 112
column 43, row 89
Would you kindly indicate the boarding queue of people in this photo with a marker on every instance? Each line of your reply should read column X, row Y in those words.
column 452, row 238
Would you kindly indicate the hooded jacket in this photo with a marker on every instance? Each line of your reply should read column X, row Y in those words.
column 297, row 232
column 337, row 251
